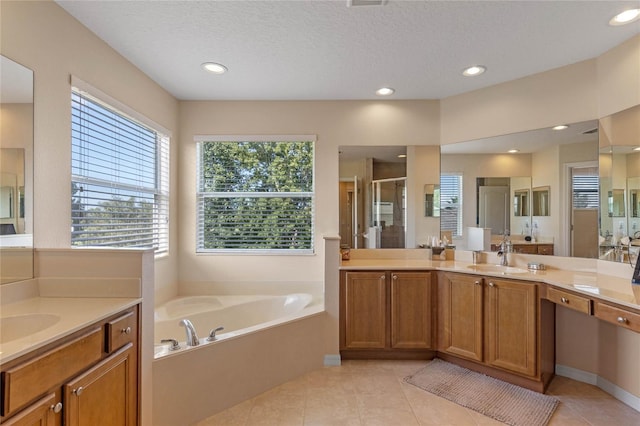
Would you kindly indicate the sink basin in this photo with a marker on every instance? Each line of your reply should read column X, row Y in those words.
column 18, row 326
column 498, row 269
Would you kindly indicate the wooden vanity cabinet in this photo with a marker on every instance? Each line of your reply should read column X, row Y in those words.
column 386, row 314
column 87, row 378
column 493, row 325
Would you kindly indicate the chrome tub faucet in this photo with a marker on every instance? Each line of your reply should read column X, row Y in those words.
column 192, row 337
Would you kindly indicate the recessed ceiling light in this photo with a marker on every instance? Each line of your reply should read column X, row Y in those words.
column 625, row 17
column 474, row 70
column 385, row 91
column 214, row 68
column 637, row 148
column 561, row 127
column 402, row 155
column 513, row 151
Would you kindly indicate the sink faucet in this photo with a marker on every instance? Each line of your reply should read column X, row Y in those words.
column 192, row 337
column 505, row 249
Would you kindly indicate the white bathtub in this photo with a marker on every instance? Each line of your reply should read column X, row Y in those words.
column 237, row 314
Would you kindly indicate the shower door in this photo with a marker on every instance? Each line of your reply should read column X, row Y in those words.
column 389, row 212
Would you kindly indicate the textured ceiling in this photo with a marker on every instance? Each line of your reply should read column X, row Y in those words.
column 325, row 50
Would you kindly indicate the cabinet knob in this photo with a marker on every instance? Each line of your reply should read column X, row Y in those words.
column 126, row 330
column 491, row 284
column 394, row 276
column 477, row 282
column 382, row 277
column 56, row 408
column 78, row 391
column 564, row 300
column 622, row 320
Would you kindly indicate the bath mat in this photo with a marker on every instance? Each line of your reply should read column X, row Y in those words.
column 494, row 398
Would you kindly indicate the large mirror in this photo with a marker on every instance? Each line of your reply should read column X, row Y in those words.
column 16, row 172
column 373, row 196
column 620, row 185
column 541, row 186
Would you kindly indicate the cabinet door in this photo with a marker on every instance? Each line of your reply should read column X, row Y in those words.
column 105, row 394
column 411, row 310
column 365, row 300
column 460, row 313
column 511, row 325
column 41, row 413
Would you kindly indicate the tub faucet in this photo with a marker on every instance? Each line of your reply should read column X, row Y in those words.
column 192, row 337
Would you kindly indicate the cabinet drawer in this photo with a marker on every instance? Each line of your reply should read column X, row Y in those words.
column 618, row 316
column 578, row 303
column 121, row 331
column 546, row 249
column 525, row 248
column 27, row 381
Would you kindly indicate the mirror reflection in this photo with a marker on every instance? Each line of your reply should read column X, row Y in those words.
column 517, row 179
column 16, row 172
column 541, row 201
column 373, row 196
column 620, row 183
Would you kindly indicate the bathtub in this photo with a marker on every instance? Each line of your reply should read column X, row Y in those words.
column 266, row 341
column 236, row 313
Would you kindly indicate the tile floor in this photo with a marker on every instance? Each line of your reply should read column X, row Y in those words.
column 373, row 393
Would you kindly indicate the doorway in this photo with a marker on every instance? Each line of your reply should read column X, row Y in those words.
column 583, row 191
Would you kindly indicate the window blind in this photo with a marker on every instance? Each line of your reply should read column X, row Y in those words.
column 585, row 184
column 120, row 178
column 255, row 196
column 451, row 203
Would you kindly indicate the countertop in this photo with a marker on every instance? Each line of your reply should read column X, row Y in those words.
column 74, row 314
column 595, row 285
column 74, row 303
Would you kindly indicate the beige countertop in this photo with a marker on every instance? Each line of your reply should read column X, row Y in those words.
column 73, row 313
column 596, row 285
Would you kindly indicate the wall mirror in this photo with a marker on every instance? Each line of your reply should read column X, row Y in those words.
column 543, row 158
column 373, row 196
column 619, row 183
column 615, row 203
column 432, row 200
column 521, row 199
column 16, row 172
column 541, row 201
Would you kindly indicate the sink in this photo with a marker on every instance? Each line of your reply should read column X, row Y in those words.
column 498, row 269
column 18, row 326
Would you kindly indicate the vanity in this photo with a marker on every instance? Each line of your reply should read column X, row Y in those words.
column 71, row 339
column 88, row 376
column 497, row 320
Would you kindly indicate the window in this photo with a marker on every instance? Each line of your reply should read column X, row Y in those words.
column 119, row 178
column 255, row 195
column 451, row 203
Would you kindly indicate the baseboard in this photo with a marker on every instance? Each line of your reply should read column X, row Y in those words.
column 612, row 389
column 332, row 360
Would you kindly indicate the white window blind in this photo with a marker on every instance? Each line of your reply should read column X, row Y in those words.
column 451, row 203
column 119, row 178
column 586, row 184
column 255, row 196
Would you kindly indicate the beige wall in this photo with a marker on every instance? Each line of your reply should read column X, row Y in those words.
column 335, row 123
column 562, row 95
column 43, row 37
